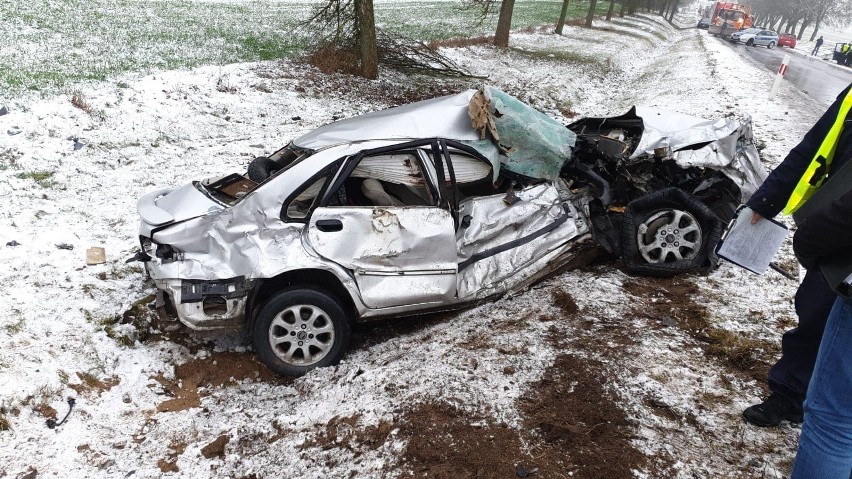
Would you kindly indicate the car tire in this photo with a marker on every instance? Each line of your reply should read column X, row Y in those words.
column 669, row 232
column 750, row 42
column 298, row 330
column 770, row 45
column 261, row 168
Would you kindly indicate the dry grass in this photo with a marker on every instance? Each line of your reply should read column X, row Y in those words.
column 4, row 423
column 330, row 59
column 79, row 101
column 740, row 352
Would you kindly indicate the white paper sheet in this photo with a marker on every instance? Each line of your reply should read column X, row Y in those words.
column 751, row 246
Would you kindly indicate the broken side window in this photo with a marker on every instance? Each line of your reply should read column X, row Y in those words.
column 304, row 201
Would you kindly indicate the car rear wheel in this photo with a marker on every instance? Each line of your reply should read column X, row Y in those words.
column 669, row 232
column 770, row 45
column 750, row 42
column 301, row 329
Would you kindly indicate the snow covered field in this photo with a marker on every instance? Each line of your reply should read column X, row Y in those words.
column 476, row 392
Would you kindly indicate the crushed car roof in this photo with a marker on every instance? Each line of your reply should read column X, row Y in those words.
column 444, row 117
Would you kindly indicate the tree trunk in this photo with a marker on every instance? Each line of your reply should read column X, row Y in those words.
column 805, row 23
column 631, row 9
column 663, row 9
column 504, row 24
column 816, row 25
column 791, row 27
column 609, row 12
column 562, row 14
column 673, row 10
column 622, row 9
column 367, row 39
column 591, row 15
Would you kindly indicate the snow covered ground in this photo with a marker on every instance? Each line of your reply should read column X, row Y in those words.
column 154, row 400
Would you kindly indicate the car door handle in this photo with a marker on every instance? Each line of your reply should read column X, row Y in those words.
column 329, row 225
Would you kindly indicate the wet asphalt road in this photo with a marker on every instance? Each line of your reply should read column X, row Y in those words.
column 819, row 79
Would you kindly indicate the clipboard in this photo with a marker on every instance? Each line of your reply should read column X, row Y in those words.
column 749, row 246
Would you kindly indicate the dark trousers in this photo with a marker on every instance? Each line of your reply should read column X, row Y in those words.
column 790, row 376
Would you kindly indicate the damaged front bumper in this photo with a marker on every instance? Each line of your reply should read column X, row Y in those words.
column 206, row 305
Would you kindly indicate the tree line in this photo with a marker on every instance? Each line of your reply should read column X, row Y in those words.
column 794, row 16
column 348, row 29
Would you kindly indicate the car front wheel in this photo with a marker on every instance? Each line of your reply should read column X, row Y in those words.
column 301, row 329
column 770, row 45
column 750, row 42
column 669, row 232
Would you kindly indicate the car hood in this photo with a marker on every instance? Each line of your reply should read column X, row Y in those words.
column 172, row 205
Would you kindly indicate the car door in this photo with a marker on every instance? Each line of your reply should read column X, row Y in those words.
column 401, row 253
column 506, row 237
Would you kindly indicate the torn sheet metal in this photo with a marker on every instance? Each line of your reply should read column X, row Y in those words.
column 734, row 155
column 502, row 241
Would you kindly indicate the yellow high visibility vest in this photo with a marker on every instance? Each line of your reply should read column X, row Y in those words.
column 820, row 165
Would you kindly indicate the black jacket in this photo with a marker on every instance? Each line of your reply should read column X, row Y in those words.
column 825, row 234
column 774, row 193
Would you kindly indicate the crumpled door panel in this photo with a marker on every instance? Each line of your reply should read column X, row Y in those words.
column 398, row 255
column 506, row 243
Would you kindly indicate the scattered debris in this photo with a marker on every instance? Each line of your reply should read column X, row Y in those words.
column 67, row 246
column 51, row 422
column 77, row 143
column 296, row 118
column 13, row 243
column 3, row 110
column 95, row 255
column 13, row 132
column 32, row 473
column 521, row 471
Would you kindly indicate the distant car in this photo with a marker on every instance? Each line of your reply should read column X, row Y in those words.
column 787, row 40
column 704, row 23
column 421, row 208
column 755, row 36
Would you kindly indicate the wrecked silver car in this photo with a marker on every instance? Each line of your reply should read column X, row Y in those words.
column 431, row 206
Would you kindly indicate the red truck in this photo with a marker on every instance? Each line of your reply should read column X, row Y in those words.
column 728, row 18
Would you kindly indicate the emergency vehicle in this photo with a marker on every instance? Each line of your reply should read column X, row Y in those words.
column 728, row 18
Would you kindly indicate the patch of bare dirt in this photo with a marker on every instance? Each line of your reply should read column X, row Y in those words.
column 565, row 301
column 346, row 433
column 445, row 442
column 215, row 371
column 572, row 428
column 46, row 411
column 582, row 431
column 169, row 464
column 91, row 385
column 216, row 448
column 672, row 302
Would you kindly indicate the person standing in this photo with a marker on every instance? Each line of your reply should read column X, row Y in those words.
column 825, row 444
column 816, row 47
column 825, row 147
